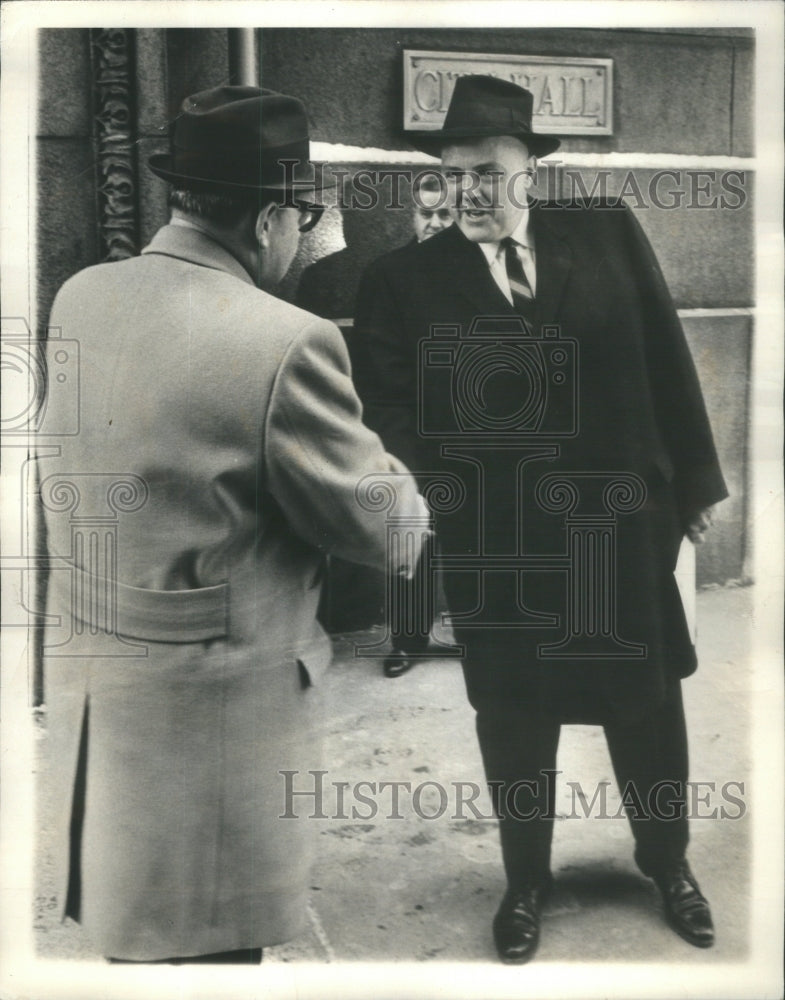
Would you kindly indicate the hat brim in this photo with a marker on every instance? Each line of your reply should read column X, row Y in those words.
column 433, row 142
column 161, row 163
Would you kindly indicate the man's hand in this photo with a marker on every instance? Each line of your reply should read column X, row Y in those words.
column 699, row 524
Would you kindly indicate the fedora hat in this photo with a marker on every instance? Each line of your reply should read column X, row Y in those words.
column 486, row 106
column 236, row 138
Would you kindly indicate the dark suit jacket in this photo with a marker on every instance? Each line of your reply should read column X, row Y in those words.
column 607, row 381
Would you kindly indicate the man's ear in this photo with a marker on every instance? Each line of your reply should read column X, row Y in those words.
column 531, row 171
column 264, row 224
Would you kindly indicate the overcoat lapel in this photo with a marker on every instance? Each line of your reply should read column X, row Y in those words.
column 554, row 261
column 467, row 272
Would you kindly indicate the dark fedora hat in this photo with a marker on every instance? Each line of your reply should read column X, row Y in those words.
column 239, row 138
column 486, row 106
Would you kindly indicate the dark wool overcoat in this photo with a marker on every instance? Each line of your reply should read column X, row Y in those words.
column 573, row 452
column 211, row 462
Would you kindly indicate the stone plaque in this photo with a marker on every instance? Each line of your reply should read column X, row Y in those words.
column 571, row 96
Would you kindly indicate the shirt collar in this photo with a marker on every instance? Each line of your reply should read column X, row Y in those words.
column 521, row 234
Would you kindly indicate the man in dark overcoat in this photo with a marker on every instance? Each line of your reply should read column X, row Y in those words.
column 220, row 457
column 531, row 357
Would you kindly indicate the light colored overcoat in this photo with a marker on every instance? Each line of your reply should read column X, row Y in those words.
column 216, row 460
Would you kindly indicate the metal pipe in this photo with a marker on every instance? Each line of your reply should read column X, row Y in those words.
column 242, row 56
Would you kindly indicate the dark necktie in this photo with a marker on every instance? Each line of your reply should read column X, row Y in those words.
column 522, row 295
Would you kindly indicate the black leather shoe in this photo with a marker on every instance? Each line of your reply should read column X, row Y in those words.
column 686, row 908
column 516, row 926
column 397, row 663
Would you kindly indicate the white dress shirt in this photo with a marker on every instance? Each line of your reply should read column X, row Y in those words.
column 494, row 254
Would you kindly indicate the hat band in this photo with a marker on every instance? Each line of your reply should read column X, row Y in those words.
column 475, row 114
column 244, row 150
column 255, row 168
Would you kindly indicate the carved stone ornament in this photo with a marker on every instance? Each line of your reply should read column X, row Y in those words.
column 114, row 134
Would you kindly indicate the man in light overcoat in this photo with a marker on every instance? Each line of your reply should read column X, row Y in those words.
column 220, row 457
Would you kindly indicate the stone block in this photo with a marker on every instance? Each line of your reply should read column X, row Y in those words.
column 720, row 345
column 672, row 93
column 743, row 121
column 707, row 254
column 153, row 191
column 67, row 238
column 151, row 82
column 65, row 82
column 704, row 244
column 196, row 59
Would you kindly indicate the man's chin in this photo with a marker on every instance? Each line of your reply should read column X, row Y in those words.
column 480, row 227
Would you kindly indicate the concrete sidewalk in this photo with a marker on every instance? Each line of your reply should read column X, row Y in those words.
column 420, row 889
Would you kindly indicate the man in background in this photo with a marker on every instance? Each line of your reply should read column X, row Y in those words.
column 431, row 214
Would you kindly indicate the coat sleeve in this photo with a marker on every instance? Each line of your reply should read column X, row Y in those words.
column 318, row 452
column 386, row 374
column 678, row 400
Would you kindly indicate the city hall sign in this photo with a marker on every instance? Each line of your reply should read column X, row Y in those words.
column 571, row 96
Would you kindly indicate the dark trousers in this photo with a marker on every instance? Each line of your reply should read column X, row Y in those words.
column 649, row 756
column 412, row 606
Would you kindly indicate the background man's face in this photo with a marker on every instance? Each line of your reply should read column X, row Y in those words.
column 488, row 180
column 431, row 214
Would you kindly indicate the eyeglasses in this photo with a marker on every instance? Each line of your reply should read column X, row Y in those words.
column 309, row 215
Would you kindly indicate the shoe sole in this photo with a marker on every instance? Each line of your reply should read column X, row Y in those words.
column 516, row 961
column 695, row 942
